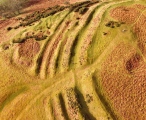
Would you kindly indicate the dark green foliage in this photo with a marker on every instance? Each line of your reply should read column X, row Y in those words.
column 19, row 40
column 104, row 33
column 77, row 6
column 29, row 19
column 83, row 10
column 77, row 18
column 16, row 27
column 113, row 24
column 81, row 7
column 77, row 23
column 6, row 46
column 38, row 38
column 77, row 9
column 9, row 28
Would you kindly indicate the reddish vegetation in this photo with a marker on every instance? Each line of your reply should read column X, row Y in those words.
column 133, row 62
column 125, row 89
column 125, row 14
column 29, row 48
column 139, row 6
column 139, row 29
column 27, row 51
column 123, row 73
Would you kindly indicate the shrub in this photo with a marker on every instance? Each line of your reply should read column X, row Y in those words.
column 16, row 27
column 83, row 10
column 9, row 28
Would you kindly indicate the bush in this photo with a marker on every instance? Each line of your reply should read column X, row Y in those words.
column 9, row 28
column 83, row 10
